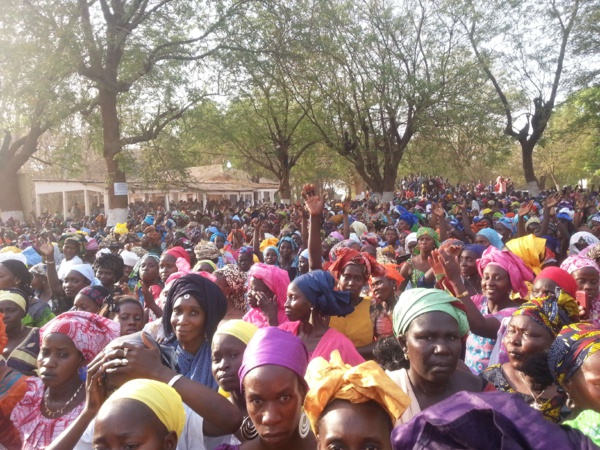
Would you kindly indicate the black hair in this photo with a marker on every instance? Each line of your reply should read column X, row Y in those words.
column 389, row 355
column 22, row 294
column 112, row 304
column 112, row 262
column 19, row 270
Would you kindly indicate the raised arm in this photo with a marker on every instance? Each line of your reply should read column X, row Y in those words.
column 314, row 204
column 47, row 252
column 524, row 210
column 550, row 203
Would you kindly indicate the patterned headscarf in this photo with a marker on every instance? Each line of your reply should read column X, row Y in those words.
column 346, row 243
column 518, row 272
column 583, row 236
column 573, row 345
column 452, row 243
column 97, row 294
column 75, row 238
column 426, row 231
column 550, row 312
column 346, row 256
column 236, row 279
column 287, row 239
column 207, row 250
column 575, row 262
column 370, row 239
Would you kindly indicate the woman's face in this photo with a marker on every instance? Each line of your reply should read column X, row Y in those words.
column 325, row 249
column 495, row 283
column 188, row 320
column 468, row 263
column 353, row 279
column 220, row 242
column 270, row 257
column 433, row 346
column 255, row 286
column 204, row 267
column 274, row 398
column 106, row 277
column 543, row 287
column 149, row 270
column 383, row 288
column 402, row 238
column 167, row 266
column 13, row 314
column 7, row 279
column 285, row 250
column 37, row 282
column 70, row 250
column 587, row 280
column 410, row 247
column 297, row 307
column 302, row 265
column 354, row 426
column 131, row 318
column 584, row 387
column 58, row 360
column 482, row 240
column 297, row 239
column 127, row 271
column 502, row 231
column 84, row 303
column 523, row 339
column 391, row 236
column 404, row 225
column 227, row 354
column 73, row 283
column 426, row 244
column 244, row 261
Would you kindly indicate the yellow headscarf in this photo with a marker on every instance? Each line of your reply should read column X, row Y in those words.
column 15, row 298
column 531, row 249
column 268, row 242
column 161, row 398
column 363, row 383
column 238, row 328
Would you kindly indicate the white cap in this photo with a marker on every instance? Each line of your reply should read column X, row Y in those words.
column 129, row 258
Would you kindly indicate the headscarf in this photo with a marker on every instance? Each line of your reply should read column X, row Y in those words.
column 370, row 239
column 452, row 243
column 359, row 228
column 265, row 348
column 426, row 231
column 86, row 271
column 550, row 312
column 277, row 280
column 532, row 220
column 240, row 329
column 207, row 294
column 207, row 250
column 179, row 252
column 581, row 235
column 531, row 249
column 360, row 384
column 39, row 269
column 478, row 249
column 318, row 286
column 287, row 239
column 346, row 243
column 492, row 236
column 18, row 269
column 576, row 262
column 418, row 301
column 573, row 345
column 76, row 238
column 205, row 261
column 216, row 234
column 96, row 293
column 89, row 332
column 162, row 399
column 392, row 271
column 561, row 277
column 92, row 245
column 412, row 237
column 236, row 279
column 346, row 256
column 518, row 272
column 270, row 242
column 270, row 247
column 508, row 224
column 16, row 296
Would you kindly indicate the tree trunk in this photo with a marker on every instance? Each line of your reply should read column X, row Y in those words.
column 528, row 170
column 285, row 190
column 389, row 182
column 111, row 133
column 10, row 198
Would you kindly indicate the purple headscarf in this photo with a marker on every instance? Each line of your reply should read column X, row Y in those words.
column 272, row 346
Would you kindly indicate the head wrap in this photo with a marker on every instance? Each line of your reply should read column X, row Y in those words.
column 359, row 228
column 584, row 236
column 452, row 243
column 478, row 249
column 576, row 262
column 412, row 237
column 346, row 256
column 361, row 384
column 573, row 345
column 86, row 271
column 207, row 294
column 216, row 234
column 561, row 277
column 38, row 269
column 265, row 348
column 346, row 243
column 318, row 288
column 508, row 224
column 492, row 236
column 129, row 258
column 276, row 279
column 162, row 399
column 418, row 301
column 15, row 296
column 518, row 272
column 426, row 231
column 75, row 238
column 270, row 247
column 96, row 293
column 392, row 271
column 89, row 332
column 331, row 241
column 270, row 242
column 531, row 249
column 240, row 329
column 179, row 252
column 287, row 239
column 236, row 279
column 205, row 261
column 532, row 220
column 370, row 238
column 304, row 254
column 92, row 245
column 550, row 312
column 207, row 250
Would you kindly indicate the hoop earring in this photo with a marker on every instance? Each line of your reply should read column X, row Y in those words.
column 303, row 425
column 247, row 429
column 570, row 403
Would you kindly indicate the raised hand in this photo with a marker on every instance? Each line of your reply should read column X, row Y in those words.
column 553, row 200
column 525, row 209
column 314, row 203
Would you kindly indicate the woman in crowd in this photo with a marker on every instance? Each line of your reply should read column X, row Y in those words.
column 352, row 407
column 385, row 295
column 489, row 236
column 72, row 246
column 145, row 283
column 468, row 268
column 232, row 281
column 429, row 325
column 23, row 345
column 586, row 273
column 109, row 270
column 91, row 299
column 127, row 311
column 193, row 309
column 267, row 288
column 417, row 269
column 40, row 285
column 311, row 299
column 168, row 262
column 271, row 255
column 288, row 256
column 274, row 388
column 531, row 249
column 68, row 343
column 531, row 330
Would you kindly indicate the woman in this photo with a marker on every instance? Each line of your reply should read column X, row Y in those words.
column 236, row 242
column 125, row 310
column 580, row 241
column 145, row 283
column 468, row 268
column 232, row 281
column 72, row 246
column 429, row 325
column 416, row 269
column 303, row 262
column 288, row 256
column 168, row 262
column 91, row 299
column 267, row 287
column 109, row 270
column 271, row 255
column 586, row 273
column 274, row 388
column 193, row 309
column 352, row 407
column 208, row 251
column 489, row 236
column 39, row 283
column 531, row 330
column 12, row 389
column 311, row 299
column 21, row 350
column 385, row 296
column 410, row 243
column 147, row 412
column 531, row 249
column 392, row 239
column 68, row 343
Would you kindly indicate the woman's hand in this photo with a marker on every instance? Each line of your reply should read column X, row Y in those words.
column 435, row 262
column 314, row 203
column 346, row 205
column 46, row 250
column 553, row 200
column 267, row 305
column 525, row 209
column 437, row 209
column 95, row 389
column 449, row 263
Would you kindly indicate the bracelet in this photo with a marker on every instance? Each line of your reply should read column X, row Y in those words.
column 50, row 262
column 174, row 380
column 462, row 294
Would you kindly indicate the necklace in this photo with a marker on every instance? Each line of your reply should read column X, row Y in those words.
column 536, row 403
column 51, row 413
column 467, row 280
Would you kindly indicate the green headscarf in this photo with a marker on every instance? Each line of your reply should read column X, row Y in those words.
column 418, row 301
column 429, row 232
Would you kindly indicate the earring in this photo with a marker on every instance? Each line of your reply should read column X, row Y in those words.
column 406, row 356
column 82, row 372
column 247, row 429
column 304, row 425
column 570, row 403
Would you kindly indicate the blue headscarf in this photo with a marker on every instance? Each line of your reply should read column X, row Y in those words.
column 492, row 236
column 287, row 239
column 214, row 236
column 408, row 217
column 509, row 224
column 478, row 249
column 271, row 247
column 318, row 287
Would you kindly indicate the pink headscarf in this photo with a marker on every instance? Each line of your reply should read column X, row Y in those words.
column 518, row 272
column 277, row 280
column 89, row 332
column 576, row 262
column 179, row 252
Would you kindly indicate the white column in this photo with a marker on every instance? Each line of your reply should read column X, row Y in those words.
column 106, row 203
column 167, row 201
column 38, row 205
column 86, row 202
column 65, row 206
column 204, row 201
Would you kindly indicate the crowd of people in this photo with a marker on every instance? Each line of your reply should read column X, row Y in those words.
column 462, row 316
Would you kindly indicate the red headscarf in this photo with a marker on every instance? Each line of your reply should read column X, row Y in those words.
column 561, row 277
column 179, row 252
column 346, row 255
